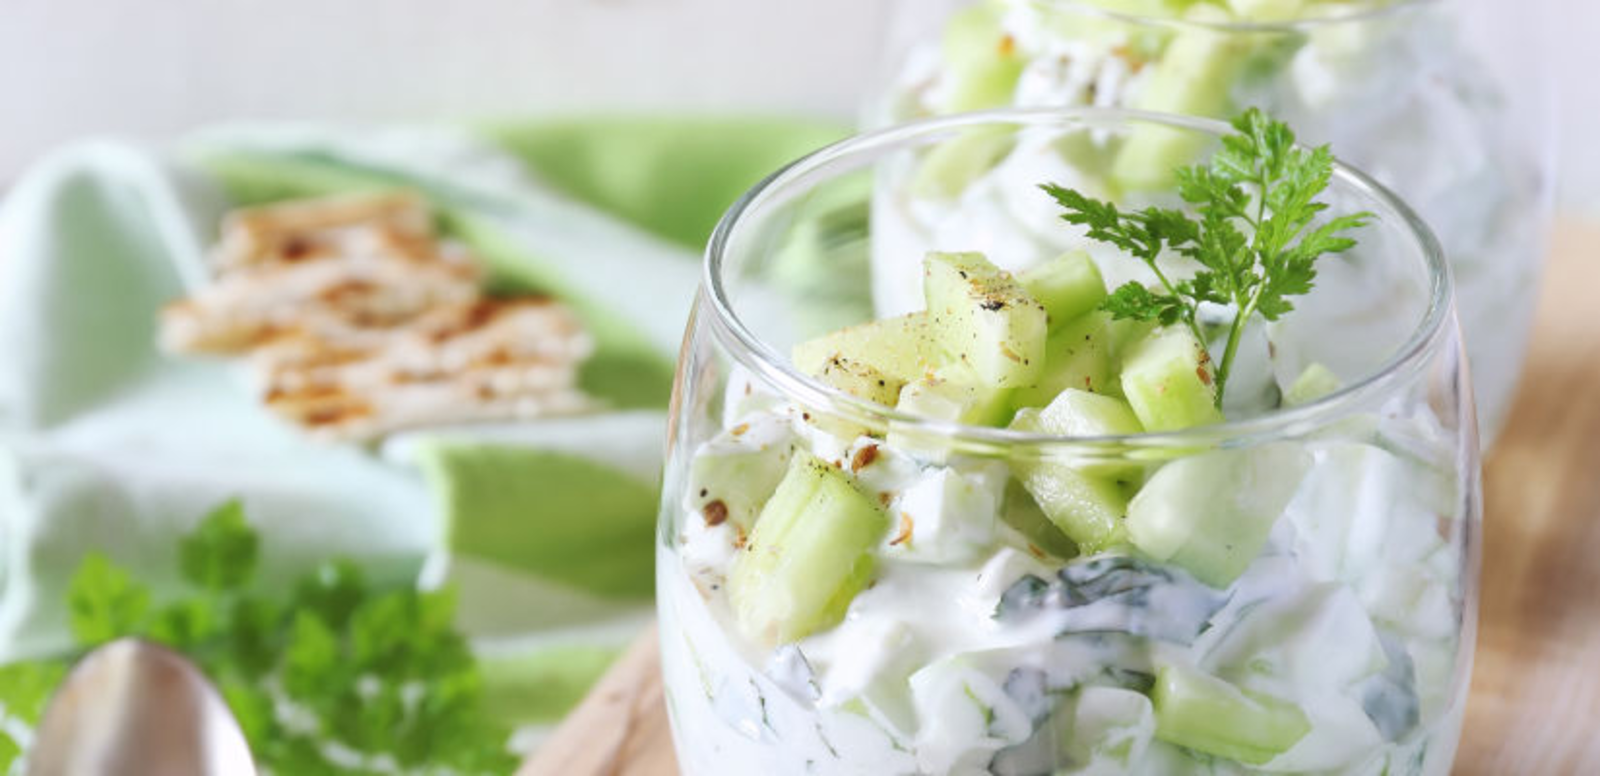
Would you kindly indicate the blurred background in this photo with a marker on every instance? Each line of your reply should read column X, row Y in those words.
column 150, row 69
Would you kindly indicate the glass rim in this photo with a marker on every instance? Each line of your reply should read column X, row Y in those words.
column 1295, row 24
column 777, row 370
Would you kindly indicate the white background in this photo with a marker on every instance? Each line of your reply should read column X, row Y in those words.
column 70, row 68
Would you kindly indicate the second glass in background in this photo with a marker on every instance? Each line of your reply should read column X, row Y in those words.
column 1404, row 90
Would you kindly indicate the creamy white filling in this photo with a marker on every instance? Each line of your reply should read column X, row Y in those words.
column 1350, row 612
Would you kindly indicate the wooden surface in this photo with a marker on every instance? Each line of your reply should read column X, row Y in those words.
column 1535, row 702
column 620, row 729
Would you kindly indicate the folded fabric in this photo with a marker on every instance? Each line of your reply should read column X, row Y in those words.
column 547, row 528
column 673, row 176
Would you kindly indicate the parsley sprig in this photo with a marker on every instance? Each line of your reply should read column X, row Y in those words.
column 1256, row 232
column 337, row 676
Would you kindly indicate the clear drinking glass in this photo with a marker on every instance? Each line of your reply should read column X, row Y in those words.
column 1436, row 99
column 1337, row 540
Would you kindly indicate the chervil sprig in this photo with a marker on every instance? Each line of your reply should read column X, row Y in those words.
column 1255, row 232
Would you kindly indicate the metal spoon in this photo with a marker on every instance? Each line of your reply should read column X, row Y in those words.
column 134, row 708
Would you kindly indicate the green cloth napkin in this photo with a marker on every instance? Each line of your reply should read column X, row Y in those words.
column 673, row 176
column 547, row 527
column 105, row 444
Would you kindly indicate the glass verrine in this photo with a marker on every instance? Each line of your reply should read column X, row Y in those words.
column 1404, row 89
column 847, row 588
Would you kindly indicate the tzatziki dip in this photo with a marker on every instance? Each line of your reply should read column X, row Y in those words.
column 1046, row 524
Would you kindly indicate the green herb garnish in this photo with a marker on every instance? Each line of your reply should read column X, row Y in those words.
column 1254, row 236
column 337, row 677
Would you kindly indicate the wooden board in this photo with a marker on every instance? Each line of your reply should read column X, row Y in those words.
column 1535, row 702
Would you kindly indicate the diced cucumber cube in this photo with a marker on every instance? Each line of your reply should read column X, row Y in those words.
column 1314, row 383
column 861, row 380
column 952, row 166
column 1022, row 513
column 973, row 405
column 1211, row 513
column 1069, row 286
column 1167, row 378
column 1077, row 355
column 733, row 475
column 1194, row 77
column 808, row 555
column 983, row 319
column 1124, row 334
column 1086, row 507
column 1201, row 712
column 1076, row 413
column 981, row 61
column 946, row 400
column 900, row 347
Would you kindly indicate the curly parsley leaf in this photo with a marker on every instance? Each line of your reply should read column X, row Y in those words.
column 104, row 602
column 25, row 688
column 220, row 554
column 337, row 678
column 1134, row 301
column 1254, row 233
column 9, row 751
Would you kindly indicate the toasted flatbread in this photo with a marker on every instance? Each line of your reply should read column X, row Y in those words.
column 292, row 231
column 358, row 321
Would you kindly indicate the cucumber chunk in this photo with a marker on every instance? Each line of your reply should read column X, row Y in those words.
column 1077, row 355
column 952, row 166
column 1076, row 413
column 973, row 405
column 899, row 347
column 946, row 400
column 1211, row 513
column 1201, row 712
column 808, row 555
column 1086, row 507
column 981, row 62
column 1314, row 383
column 1194, row 78
column 1168, row 379
column 1123, row 335
column 733, row 475
column 1022, row 513
column 861, row 380
column 1068, row 286
column 983, row 319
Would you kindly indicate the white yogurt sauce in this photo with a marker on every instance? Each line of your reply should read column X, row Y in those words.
column 946, row 665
